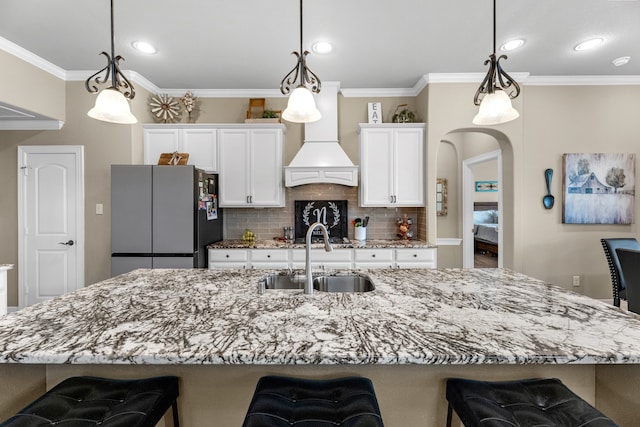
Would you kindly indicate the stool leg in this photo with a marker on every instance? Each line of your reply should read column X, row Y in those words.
column 449, row 414
column 174, row 407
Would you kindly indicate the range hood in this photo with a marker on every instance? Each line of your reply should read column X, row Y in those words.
column 321, row 159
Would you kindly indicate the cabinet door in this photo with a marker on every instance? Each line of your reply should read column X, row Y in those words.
column 202, row 146
column 373, row 258
column 266, row 168
column 376, row 167
column 408, row 174
column 234, row 173
column 228, row 258
column 416, row 258
column 158, row 141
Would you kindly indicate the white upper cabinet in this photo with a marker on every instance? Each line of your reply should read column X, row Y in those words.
column 202, row 146
column 251, row 167
column 392, row 164
column 158, row 141
column 200, row 142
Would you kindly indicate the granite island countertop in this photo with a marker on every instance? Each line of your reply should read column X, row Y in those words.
column 446, row 316
column 278, row 244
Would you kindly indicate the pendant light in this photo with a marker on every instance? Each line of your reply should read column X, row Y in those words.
column 301, row 107
column 496, row 90
column 111, row 104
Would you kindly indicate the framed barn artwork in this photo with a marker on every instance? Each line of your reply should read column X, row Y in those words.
column 598, row 188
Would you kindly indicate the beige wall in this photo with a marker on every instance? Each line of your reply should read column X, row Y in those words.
column 558, row 120
column 555, row 120
column 31, row 88
column 104, row 144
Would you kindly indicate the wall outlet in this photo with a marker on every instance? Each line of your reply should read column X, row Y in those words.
column 99, row 209
column 576, row 281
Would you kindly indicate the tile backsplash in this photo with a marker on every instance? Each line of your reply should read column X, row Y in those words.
column 269, row 222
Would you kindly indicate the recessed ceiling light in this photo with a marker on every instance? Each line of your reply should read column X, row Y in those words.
column 512, row 45
column 322, row 48
column 144, row 47
column 589, row 44
column 623, row 60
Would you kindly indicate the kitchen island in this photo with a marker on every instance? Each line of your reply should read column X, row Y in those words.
column 3, row 287
column 417, row 327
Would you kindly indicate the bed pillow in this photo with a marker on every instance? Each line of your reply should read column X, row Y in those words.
column 485, row 217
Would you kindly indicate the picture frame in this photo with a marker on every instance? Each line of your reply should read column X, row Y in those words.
column 598, row 188
column 486, row 186
column 441, row 196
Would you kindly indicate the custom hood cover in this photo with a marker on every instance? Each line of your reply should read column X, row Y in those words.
column 321, row 159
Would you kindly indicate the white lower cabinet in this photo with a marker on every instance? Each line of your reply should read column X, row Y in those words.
column 416, row 258
column 374, row 258
column 269, row 258
column 228, row 258
column 338, row 259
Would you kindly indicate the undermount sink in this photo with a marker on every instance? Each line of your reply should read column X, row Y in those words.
column 338, row 282
column 344, row 282
column 282, row 281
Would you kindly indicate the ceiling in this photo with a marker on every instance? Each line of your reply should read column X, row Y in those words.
column 247, row 44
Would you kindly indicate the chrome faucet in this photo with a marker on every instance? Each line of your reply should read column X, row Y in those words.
column 308, row 285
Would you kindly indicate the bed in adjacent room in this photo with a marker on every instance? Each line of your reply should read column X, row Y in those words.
column 485, row 227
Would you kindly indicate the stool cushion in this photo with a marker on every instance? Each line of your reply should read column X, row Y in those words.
column 284, row 401
column 531, row 402
column 90, row 401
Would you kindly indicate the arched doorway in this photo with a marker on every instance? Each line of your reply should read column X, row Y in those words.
column 465, row 150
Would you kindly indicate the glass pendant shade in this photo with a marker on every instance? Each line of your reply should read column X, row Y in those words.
column 301, row 107
column 111, row 106
column 495, row 108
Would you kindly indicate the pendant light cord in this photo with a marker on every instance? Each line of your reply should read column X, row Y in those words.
column 301, row 26
column 494, row 26
column 113, row 49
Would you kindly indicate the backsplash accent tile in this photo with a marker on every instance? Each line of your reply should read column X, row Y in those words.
column 269, row 222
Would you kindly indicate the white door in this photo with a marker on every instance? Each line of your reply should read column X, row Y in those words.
column 50, row 222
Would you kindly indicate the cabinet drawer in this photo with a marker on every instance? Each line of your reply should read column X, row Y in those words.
column 228, row 255
column 266, row 255
column 373, row 255
column 319, row 254
column 415, row 255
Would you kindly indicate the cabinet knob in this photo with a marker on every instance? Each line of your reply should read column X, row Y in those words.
column 415, row 255
column 268, row 256
column 227, row 256
column 373, row 255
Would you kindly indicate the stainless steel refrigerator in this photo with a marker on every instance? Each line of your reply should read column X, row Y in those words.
column 162, row 217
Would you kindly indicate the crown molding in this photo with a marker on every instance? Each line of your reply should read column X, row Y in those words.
column 582, row 81
column 32, row 58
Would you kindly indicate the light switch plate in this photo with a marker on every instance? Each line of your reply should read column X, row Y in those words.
column 99, row 209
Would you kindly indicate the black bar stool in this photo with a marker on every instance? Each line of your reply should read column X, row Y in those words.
column 87, row 401
column 530, row 402
column 283, row 401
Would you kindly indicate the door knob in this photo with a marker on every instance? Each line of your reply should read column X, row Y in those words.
column 69, row 243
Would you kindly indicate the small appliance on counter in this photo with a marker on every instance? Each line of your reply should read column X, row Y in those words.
column 162, row 217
